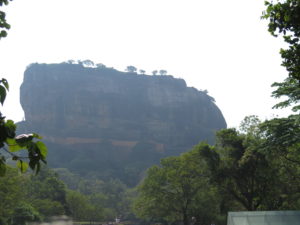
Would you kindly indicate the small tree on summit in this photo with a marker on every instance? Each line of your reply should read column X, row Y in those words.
column 131, row 69
column 163, row 72
column 142, row 72
column 88, row 63
column 154, row 72
column 100, row 65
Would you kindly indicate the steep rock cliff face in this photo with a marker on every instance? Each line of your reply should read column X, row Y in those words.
column 102, row 109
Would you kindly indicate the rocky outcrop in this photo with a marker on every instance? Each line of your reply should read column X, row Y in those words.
column 72, row 105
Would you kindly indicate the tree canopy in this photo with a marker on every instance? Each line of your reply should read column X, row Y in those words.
column 240, row 167
column 163, row 72
column 178, row 191
column 284, row 20
column 283, row 134
column 131, row 69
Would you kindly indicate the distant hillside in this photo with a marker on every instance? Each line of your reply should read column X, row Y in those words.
column 106, row 123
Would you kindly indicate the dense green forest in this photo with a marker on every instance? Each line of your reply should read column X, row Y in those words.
column 31, row 197
column 253, row 167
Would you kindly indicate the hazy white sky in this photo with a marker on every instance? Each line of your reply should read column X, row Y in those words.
column 221, row 46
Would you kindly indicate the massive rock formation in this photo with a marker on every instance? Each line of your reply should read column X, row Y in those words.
column 95, row 118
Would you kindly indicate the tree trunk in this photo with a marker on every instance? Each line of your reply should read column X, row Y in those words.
column 185, row 219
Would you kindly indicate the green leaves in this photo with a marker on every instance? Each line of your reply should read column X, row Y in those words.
column 3, row 23
column 12, row 145
column 5, row 83
column 37, row 151
column 4, row 2
column 23, row 166
column 176, row 190
column 43, row 149
column 24, row 141
column 241, row 168
column 10, row 128
column 2, row 94
column 282, row 135
column 284, row 19
column 3, row 88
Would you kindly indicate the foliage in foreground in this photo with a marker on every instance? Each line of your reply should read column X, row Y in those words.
column 242, row 167
column 283, row 133
column 36, row 151
column 178, row 191
column 238, row 173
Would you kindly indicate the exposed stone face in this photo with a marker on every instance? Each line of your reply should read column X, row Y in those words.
column 71, row 101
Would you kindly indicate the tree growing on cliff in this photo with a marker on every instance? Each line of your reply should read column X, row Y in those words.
column 88, row 63
column 154, row 72
column 100, row 65
column 142, row 72
column 131, row 69
column 163, row 72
